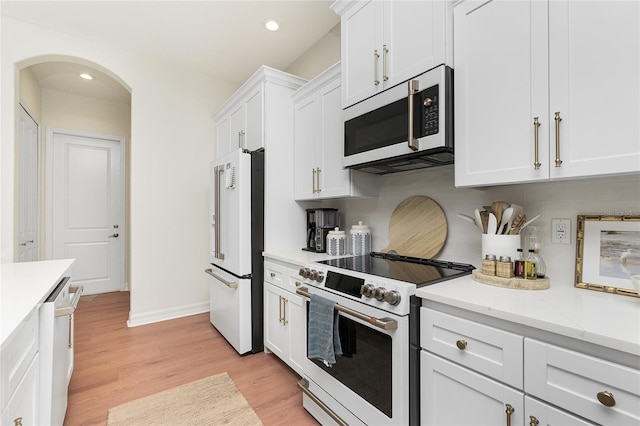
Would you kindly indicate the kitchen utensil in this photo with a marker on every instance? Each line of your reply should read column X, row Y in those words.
column 484, row 217
column 506, row 220
column 517, row 223
column 478, row 220
column 496, row 210
column 417, row 228
column 492, row 227
column 467, row 218
column 527, row 223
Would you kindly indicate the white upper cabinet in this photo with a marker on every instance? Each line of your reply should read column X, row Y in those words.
column 242, row 120
column 540, row 94
column 319, row 143
column 387, row 42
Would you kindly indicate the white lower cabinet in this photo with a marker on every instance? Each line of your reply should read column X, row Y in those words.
column 284, row 322
column 20, row 368
column 454, row 395
column 477, row 372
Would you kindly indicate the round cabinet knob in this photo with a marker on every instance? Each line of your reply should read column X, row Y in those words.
column 367, row 290
column 392, row 297
column 606, row 399
column 378, row 294
column 461, row 344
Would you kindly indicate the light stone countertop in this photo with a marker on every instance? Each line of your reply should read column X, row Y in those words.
column 604, row 319
column 23, row 287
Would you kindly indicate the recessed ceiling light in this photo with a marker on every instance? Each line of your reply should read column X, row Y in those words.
column 86, row 76
column 272, row 25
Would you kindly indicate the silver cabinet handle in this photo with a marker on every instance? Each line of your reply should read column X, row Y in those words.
column 318, row 179
column 313, row 180
column 414, row 86
column 284, row 311
column 376, row 56
column 116, row 235
column 222, row 280
column 536, row 161
column 241, row 140
column 383, row 323
column 385, row 77
column 558, row 120
column 218, row 170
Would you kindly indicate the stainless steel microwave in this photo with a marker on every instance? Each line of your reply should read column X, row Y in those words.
column 406, row 127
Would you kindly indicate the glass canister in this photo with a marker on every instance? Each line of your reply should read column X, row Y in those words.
column 360, row 239
column 336, row 242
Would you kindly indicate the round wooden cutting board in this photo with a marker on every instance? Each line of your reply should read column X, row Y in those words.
column 417, row 228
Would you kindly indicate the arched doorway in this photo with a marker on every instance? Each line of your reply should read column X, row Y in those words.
column 64, row 103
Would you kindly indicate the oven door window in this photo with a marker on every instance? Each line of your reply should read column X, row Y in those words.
column 366, row 364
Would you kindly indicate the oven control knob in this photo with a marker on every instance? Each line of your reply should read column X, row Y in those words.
column 379, row 293
column 367, row 290
column 392, row 297
column 315, row 275
column 320, row 277
column 305, row 272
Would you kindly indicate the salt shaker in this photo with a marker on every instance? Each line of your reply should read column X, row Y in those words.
column 360, row 239
column 336, row 242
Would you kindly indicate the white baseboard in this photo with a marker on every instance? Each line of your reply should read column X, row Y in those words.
column 167, row 314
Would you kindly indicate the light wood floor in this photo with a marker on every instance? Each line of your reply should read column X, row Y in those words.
column 115, row 364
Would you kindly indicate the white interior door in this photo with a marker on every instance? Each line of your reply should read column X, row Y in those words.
column 28, row 190
column 87, row 209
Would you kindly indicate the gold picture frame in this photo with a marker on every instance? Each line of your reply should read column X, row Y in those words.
column 607, row 253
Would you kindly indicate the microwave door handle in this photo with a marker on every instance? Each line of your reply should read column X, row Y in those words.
column 414, row 86
column 217, row 174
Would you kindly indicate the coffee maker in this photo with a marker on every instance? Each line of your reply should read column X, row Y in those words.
column 319, row 223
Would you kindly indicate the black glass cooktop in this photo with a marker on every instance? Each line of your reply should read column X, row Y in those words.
column 403, row 268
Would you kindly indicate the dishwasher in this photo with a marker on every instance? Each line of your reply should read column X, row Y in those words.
column 56, row 350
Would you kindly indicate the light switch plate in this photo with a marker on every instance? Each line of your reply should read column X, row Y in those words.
column 561, row 231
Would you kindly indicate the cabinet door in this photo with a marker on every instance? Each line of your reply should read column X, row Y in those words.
column 25, row 401
column 306, row 137
column 297, row 325
column 453, row 395
column 222, row 137
column 540, row 414
column 254, row 115
column 236, row 127
column 414, row 35
column 595, row 86
column 361, row 40
column 500, row 55
column 275, row 332
column 334, row 180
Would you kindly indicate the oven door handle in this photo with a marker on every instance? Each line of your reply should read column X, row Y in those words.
column 383, row 323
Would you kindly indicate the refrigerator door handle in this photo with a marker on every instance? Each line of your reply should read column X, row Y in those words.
column 222, row 280
column 217, row 181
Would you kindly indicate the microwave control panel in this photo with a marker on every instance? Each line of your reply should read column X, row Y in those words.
column 430, row 113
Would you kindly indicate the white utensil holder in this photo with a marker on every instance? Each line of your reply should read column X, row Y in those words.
column 501, row 245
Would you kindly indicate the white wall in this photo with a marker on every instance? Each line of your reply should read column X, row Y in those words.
column 171, row 145
column 562, row 199
column 319, row 57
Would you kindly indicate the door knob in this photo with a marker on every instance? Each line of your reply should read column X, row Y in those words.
column 116, row 235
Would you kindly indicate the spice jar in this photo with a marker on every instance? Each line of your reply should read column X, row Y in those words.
column 504, row 267
column 489, row 265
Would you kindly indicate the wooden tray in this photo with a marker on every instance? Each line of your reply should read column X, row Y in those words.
column 516, row 283
column 417, row 228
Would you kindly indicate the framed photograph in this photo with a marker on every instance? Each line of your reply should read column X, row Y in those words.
column 608, row 253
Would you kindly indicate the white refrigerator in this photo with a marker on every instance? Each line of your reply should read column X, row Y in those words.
column 236, row 216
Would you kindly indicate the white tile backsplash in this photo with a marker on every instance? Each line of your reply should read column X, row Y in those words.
column 557, row 199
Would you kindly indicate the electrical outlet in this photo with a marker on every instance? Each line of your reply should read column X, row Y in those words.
column 560, row 231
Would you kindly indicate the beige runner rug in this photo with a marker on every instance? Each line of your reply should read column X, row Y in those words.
column 212, row 401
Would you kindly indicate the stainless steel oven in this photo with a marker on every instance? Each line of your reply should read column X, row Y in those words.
column 406, row 127
column 369, row 383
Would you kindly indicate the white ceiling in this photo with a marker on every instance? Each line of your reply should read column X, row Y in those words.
column 225, row 39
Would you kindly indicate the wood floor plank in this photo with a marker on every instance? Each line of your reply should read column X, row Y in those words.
column 115, row 364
